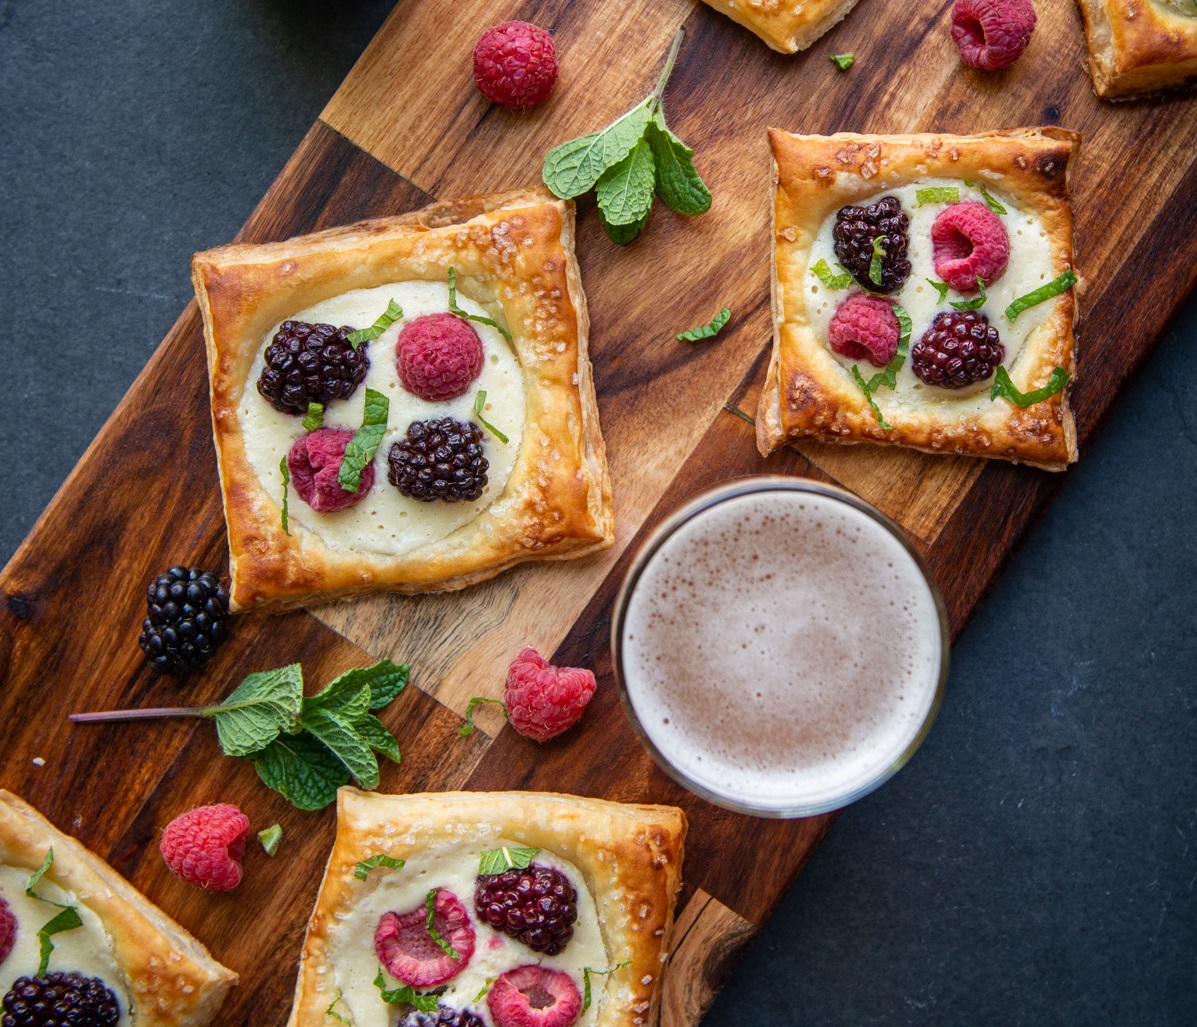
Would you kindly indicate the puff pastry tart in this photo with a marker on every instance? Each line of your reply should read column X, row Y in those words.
column 1140, row 45
column 581, row 891
column 445, row 352
column 153, row 970
column 786, row 25
column 923, row 294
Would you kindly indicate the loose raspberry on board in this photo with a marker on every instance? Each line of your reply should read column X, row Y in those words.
column 542, row 701
column 515, row 64
column 992, row 34
column 205, row 846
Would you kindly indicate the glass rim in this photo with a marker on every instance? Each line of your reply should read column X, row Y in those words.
column 694, row 508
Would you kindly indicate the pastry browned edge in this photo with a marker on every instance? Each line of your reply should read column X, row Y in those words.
column 1136, row 46
column 513, row 253
column 786, row 25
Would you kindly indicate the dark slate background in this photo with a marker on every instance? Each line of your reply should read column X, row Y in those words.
column 1035, row 863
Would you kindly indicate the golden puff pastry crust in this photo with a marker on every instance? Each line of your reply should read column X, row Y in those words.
column 514, row 254
column 786, row 25
column 810, row 395
column 1140, row 45
column 629, row 855
column 171, row 979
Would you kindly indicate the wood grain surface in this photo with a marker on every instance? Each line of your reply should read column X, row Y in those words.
column 407, row 126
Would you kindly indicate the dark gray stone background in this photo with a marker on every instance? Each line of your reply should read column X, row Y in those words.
column 1035, row 863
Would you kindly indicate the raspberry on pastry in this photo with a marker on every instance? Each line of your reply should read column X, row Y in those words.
column 314, row 464
column 438, row 356
column 865, row 328
column 534, row 996
column 969, row 242
column 411, row 954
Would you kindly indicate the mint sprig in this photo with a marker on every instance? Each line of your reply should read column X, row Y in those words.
column 977, row 302
column 387, row 318
column 887, row 378
column 479, row 403
column 468, row 727
column 937, row 194
column 1045, row 292
column 379, row 859
column 586, row 974
column 455, row 309
column 939, row 287
column 843, row 61
column 270, row 839
column 830, row 281
column 626, row 162
column 430, row 926
column 1004, row 387
column 990, row 202
column 405, row 995
column 304, row 748
column 875, row 263
column 707, row 331
column 282, row 466
column 364, row 443
column 314, row 418
column 496, row 861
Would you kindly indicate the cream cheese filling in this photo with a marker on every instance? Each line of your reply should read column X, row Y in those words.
column 454, row 866
column 1029, row 268
column 385, row 521
column 86, row 950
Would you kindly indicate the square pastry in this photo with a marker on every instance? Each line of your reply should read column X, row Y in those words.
column 923, row 293
column 98, row 926
column 508, row 907
column 786, row 25
column 1139, row 45
column 404, row 404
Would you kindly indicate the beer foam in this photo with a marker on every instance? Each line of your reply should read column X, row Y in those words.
column 782, row 649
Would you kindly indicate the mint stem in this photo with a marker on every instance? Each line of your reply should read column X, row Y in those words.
column 148, row 714
column 659, row 92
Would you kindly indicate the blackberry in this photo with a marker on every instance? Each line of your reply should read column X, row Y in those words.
column 308, row 363
column 439, row 459
column 854, row 232
column 960, row 347
column 59, row 1000
column 187, row 608
column 444, row 1016
column 537, row 906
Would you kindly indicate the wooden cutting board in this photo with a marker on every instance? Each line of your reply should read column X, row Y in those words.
column 407, row 126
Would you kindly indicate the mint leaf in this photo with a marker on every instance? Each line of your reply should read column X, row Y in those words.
column 264, row 704
column 939, row 194
column 678, row 184
column 830, row 281
column 375, row 735
column 468, row 727
column 315, row 417
column 301, row 770
column 843, row 61
column 875, row 263
column 349, row 700
column 491, row 980
column 887, row 378
column 430, row 905
column 977, row 302
column 385, row 679
column 731, row 408
column 346, row 744
column 939, row 287
column 67, row 920
column 586, row 971
column 495, row 861
column 624, row 234
column 405, row 995
column 625, row 190
column 38, row 874
column 864, row 387
column 573, row 168
column 479, row 403
column 360, row 450
column 270, row 839
column 362, row 870
column 1004, row 387
column 455, row 309
column 1045, row 292
column 330, row 1011
column 707, row 331
column 387, row 318
column 993, row 204
column 282, row 466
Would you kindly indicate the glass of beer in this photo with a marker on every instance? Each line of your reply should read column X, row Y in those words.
column 780, row 647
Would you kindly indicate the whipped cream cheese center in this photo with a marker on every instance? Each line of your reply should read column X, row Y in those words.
column 455, row 868
column 385, row 521
column 86, row 950
column 1029, row 268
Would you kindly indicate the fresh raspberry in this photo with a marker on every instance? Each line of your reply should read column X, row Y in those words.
column 536, row 905
column 541, row 700
column 515, row 64
column 865, row 328
column 205, row 846
column 410, row 953
column 8, row 930
column 969, row 242
column 534, row 996
column 961, row 347
column 992, row 34
column 438, row 355
column 314, row 464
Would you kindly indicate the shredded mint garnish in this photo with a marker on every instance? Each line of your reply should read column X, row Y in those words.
column 627, row 161
column 485, row 988
column 823, row 272
column 270, row 839
column 938, row 194
column 379, row 859
column 387, row 318
column 939, row 287
column 364, row 443
column 878, row 256
column 1004, row 387
column 467, row 728
column 495, row 861
column 887, row 378
column 66, row 920
column 586, row 972
column 479, row 403
column 315, row 417
column 731, row 408
column 977, row 302
column 993, row 204
column 282, row 466
column 843, row 61
column 455, row 309
column 331, row 1011
column 430, row 905
column 38, row 874
column 405, row 995
column 1045, row 292
column 707, row 331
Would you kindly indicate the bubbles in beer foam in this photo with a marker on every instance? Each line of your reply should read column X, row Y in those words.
column 781, row 649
